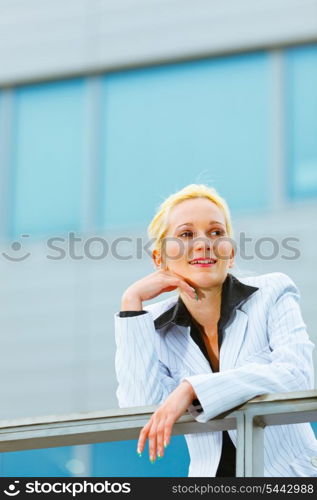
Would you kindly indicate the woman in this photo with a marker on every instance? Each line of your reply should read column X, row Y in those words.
column 217, row 344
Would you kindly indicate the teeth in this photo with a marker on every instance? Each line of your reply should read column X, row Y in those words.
column 203, row 261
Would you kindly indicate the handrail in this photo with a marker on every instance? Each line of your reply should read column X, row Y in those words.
column 249, row 419
column 272, row 409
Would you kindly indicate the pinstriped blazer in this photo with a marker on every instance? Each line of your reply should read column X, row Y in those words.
column 265, row 349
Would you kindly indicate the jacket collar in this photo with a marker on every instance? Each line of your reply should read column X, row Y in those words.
column 233, row 294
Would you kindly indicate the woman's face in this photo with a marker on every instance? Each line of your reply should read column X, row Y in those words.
column 193, row 247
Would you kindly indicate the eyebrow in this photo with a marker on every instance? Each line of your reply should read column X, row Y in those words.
column 191, row 224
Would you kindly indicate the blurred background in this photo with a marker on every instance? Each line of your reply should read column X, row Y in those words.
column 106, row 108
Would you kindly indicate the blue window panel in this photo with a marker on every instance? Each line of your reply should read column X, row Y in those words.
column 119, row 459
column 51, row 462
column 198, row 122
column 49, row 142
column 301, row 123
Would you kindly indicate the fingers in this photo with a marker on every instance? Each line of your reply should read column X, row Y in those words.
column 149, row 432
column 152, row 441
column 181, row 283
column 160, row 436
column 158, row 431
column 143, row 436
column 168, row 431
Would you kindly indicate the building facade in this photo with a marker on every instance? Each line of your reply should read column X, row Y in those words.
column 106, row 107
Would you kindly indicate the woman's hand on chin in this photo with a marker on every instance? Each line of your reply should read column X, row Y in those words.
column 158, row 430
column 151, row 286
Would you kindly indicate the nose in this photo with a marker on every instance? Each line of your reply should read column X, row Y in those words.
column 201, row 243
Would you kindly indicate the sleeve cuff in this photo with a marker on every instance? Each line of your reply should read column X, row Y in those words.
column 127, row 314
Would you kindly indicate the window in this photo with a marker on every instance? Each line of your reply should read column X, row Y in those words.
column 165, row 127
column 301, row 123
column 49, row 146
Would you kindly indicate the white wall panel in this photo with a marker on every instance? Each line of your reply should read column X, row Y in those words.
column 45, row 39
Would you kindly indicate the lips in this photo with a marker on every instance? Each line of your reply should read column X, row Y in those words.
column 200, row 262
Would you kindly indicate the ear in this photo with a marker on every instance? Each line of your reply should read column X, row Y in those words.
column 157, row 259
column 231, row 260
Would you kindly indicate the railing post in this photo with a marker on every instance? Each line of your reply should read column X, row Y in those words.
column 240, row 444
column 253, row 446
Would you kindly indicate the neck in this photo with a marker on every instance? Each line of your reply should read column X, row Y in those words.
column 206, row 310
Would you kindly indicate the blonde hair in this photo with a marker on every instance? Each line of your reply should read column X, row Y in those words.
column 158, row 226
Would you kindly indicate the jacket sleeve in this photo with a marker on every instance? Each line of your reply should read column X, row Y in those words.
column 142, row 378
column 290, row 367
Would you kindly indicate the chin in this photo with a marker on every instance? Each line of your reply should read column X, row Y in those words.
column 204, row 281
column 207, row 284
column 207, row 281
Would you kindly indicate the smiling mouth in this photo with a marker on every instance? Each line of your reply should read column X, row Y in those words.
column 203, row 262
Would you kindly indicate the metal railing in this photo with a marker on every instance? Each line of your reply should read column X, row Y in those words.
column 249, row 420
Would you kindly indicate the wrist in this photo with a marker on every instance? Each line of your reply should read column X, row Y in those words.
column 131, row 302
column 189, row 389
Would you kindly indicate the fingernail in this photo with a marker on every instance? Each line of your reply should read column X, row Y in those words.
column 165, row 444
column 159, row 456
column 139, row 454
column 152, row 460
column 196, row 295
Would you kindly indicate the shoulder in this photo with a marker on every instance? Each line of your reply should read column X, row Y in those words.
column 272, row 285
column 268, row 279
column 275, row 280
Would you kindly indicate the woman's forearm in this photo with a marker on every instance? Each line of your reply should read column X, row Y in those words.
column 131, row 302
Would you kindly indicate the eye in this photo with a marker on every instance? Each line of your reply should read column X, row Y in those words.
column 187, row 233
column 219, row 232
